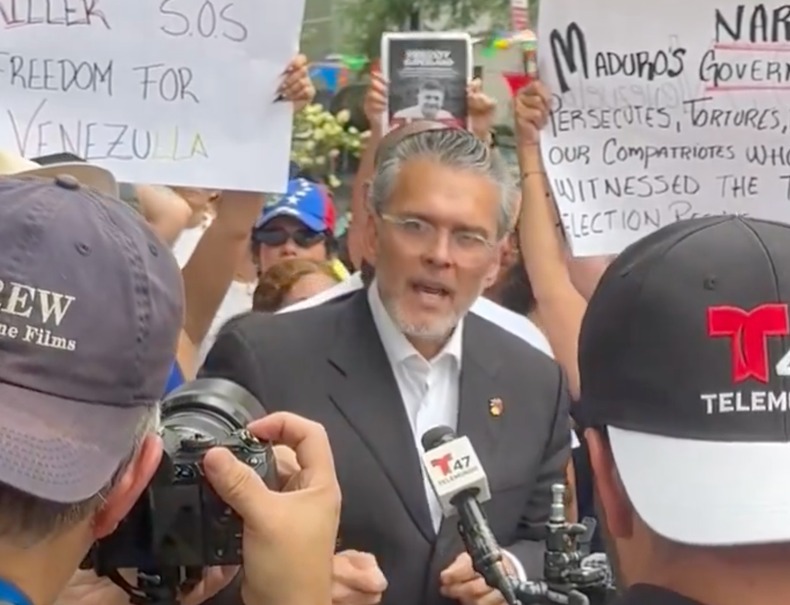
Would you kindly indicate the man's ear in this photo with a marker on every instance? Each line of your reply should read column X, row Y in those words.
column 129, row 488
column 616, row 506
column 492, row 274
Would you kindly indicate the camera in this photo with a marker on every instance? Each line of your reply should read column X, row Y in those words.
column 179, row 522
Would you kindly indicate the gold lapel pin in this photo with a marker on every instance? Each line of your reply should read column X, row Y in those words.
column 496, row 407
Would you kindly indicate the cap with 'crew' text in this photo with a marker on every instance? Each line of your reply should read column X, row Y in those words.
column 91, row 306
column 684, row 356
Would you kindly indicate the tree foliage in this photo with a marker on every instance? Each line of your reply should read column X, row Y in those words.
column 321, row 141
column 366, row 20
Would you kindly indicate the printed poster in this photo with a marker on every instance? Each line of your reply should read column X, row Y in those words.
column 657, row 118
column 428, row 74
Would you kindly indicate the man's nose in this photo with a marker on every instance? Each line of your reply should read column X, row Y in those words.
column 439, row 251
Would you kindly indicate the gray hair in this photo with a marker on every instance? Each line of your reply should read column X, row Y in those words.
column 25, row 520
column 454, row 148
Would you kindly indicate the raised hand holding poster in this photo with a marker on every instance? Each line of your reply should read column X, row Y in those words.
column 428, row 74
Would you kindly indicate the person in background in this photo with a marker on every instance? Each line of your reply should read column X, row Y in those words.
column 299, row 224
column 163, row 209
column 291, row 281
column 217, row 279
column 560, row 284
column 508, row 282
column 202, row 213
column 513, row 291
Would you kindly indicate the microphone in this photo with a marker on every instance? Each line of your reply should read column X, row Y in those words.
column 460, row 484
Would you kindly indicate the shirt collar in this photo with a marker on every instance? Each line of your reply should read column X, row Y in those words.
column 396, row 345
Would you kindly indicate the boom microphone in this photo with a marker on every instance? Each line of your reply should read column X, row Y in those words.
column 460, row 484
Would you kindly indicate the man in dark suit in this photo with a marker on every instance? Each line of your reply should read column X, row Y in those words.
column 381, row 366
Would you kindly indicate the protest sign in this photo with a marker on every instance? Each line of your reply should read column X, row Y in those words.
column 664, row 111
column 428, row 74
column 157, row 91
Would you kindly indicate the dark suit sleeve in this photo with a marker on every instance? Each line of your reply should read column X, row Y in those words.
column 232, row 357
column 552, row 470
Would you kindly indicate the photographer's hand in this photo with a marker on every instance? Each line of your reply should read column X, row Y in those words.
column 289, row 537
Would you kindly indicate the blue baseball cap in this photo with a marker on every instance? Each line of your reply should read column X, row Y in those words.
column 307, row 202
column 75, row 379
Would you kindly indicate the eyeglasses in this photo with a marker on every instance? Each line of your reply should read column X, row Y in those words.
column 304, row 238
column 466, row 247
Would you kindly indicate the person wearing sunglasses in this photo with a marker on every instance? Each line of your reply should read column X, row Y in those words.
column 300, row 224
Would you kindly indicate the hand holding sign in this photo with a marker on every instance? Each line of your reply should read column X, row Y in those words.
column 532, row 111
column 297, row 86
column 482, row 109
column 376, row 102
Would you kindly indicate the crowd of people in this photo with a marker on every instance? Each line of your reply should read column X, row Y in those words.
column 453, row 300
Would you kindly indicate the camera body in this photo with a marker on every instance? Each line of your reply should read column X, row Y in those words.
column 179, row 521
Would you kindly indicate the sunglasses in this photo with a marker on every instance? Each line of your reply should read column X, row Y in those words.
column 304, row 238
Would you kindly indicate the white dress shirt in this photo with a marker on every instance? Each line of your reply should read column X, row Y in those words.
column 429, row 389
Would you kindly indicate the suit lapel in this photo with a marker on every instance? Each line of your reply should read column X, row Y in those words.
column 477, row 389
column 365, row 391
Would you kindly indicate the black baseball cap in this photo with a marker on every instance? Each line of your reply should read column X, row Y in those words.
column 684, row 356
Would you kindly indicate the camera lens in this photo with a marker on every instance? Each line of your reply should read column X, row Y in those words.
column 209, row 408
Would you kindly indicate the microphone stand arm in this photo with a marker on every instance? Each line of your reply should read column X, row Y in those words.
column 566, row 581
column 538, row 593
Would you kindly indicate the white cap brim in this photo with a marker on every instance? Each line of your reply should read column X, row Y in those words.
column 89, row 175
column 706, row 493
